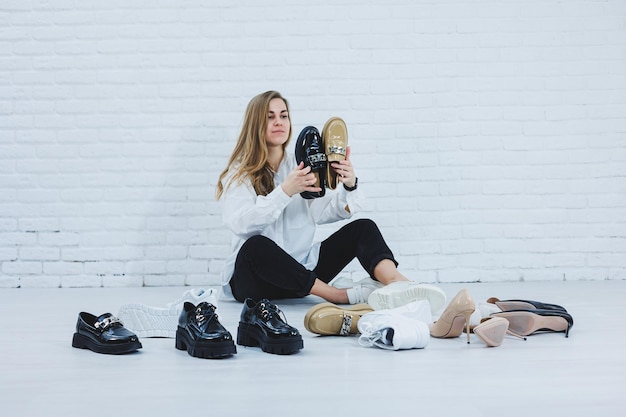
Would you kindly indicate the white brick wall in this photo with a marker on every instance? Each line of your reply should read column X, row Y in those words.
column 490, row 136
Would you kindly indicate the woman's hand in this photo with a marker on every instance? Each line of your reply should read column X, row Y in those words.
column 345, row 170
column 299, row 180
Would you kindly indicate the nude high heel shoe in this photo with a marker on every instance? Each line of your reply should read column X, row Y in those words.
column 492, row 331
column 455, row 317
column 527, row 322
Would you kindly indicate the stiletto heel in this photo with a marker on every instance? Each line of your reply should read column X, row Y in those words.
column 467, row 324
column 455, row 317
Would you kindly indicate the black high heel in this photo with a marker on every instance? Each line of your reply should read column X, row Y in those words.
column 508, row 305
column 527, row 322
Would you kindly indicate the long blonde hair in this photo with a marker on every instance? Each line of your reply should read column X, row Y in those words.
column 250, row 153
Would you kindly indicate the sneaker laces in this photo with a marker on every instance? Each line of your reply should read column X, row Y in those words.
column 379, row 338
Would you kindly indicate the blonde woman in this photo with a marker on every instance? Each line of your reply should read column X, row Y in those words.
column 273, row 253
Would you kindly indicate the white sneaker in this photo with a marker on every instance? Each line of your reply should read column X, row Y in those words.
column 358, row 291
column 149, row 321
column 484, row 310
column 400, row 293
column 347, row 282
column 396, row 329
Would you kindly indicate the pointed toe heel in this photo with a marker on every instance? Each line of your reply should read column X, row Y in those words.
column 455, row 317
column 492, row 331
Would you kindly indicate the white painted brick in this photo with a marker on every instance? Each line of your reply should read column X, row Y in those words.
column 146, row 267
column 40, row 281
column 8, row 254
column 35, row 254
column 122, row 281
column 163, row 280
column 80, row 281
column 489, row 134
column 63, row 269
column 19, row 267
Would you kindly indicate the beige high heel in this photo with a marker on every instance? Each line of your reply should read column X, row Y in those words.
column 455, row 317
column 492, row 331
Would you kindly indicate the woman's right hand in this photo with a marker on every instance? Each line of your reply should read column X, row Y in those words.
column 299, row 180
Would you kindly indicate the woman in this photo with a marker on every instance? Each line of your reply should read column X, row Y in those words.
column 274, row 255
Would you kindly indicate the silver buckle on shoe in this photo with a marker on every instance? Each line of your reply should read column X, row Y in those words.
column 106, row 323
column 346, row 324
column 337, row 149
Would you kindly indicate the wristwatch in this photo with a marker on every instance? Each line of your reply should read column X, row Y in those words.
column 356, row 182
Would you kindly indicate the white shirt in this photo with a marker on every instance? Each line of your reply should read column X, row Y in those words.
column 289, row 221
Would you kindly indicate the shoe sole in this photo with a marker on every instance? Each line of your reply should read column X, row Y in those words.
column 327, row 319
column 204, row 349
column 146, row 321
column 252, row 336
column 525, row 323
column 492, row 331
column 389, row 297
column 335, row 137
column 83, row 342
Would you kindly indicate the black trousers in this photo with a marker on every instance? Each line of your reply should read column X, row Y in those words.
column 264, row 270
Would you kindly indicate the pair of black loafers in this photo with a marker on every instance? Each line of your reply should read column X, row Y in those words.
column 261, row 324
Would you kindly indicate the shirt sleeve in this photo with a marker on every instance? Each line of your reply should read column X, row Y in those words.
column 247, row 214
column 332, row 207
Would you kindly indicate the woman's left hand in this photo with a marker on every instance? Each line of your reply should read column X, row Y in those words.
column 345, row 170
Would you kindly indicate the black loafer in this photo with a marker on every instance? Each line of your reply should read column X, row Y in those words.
column 262, row 325
column 104, row 334
column 201, row 334
column 310, row 150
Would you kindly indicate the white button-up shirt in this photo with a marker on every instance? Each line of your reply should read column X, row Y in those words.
column 289, row 221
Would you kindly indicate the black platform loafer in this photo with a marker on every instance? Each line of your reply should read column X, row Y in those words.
column 310, row 150
column 261, row 325
column 104, row 334
column 201, row 334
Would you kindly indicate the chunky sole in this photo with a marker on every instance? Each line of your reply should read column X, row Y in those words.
column 402, row 293
column 204, row 349
column 327, row 319
column 252, row 336
column 83, row 342
column 147, row 321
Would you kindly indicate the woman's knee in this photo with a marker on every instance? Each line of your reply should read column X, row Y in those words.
column 367, row 225
column 256, row 241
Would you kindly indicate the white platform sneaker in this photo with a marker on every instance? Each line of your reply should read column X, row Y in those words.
column 401, row 293
column 405, row 327
column 358, row 291
column 150, row 321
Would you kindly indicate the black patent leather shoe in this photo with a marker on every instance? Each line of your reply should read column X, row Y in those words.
column 310, row 150
column 506, row 305
column 201, row 334
column 261, row 325
column 104, row 334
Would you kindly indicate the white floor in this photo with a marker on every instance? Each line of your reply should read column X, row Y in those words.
column 583, row 375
